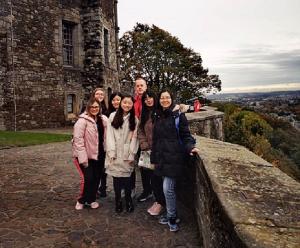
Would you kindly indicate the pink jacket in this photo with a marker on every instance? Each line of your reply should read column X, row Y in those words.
column 85, row 138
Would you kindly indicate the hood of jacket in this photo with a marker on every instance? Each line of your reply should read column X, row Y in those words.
column 84, row 115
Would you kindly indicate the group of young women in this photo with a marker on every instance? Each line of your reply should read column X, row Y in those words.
column 106, row 141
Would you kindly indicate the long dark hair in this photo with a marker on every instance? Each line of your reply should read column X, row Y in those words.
column 102, row 104
column 110, row 106
column 118, row 118
column 146, row 111
column 159, row 107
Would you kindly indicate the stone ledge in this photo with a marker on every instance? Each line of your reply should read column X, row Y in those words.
column 257, row 202
column 205, row 113
column 207, row 123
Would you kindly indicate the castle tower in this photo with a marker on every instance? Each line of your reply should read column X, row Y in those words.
column 52, row 55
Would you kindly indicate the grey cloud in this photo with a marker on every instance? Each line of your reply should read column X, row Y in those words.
column 289, row 60
column 260, row 65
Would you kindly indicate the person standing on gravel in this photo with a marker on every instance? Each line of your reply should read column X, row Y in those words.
column 88, row 152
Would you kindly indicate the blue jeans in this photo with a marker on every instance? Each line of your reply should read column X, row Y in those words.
column 169, row 192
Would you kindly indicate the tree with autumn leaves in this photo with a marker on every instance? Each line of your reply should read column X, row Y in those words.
column 272, row 139
column 164, row 62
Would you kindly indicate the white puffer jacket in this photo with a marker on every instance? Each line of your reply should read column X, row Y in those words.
column 121, row 147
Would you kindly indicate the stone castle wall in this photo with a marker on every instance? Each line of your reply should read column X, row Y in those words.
column 240, row 200
column 37, row 74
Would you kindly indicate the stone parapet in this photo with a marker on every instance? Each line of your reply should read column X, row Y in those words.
column 242, row 200
column 208, row 123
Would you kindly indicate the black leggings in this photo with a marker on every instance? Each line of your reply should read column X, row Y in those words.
column 122, row 183
column 146, row 175
column 101, row 180
column 89, row 185
column 157, row 186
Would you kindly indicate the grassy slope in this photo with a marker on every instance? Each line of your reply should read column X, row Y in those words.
column 13, row 139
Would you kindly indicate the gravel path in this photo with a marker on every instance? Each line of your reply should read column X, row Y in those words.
column 38, row 190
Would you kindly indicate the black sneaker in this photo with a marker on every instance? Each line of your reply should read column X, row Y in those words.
column 173, row 225
column 119, row 207
column 144, row 196
column 103, row 193
column 163, row 219
column 129, row 206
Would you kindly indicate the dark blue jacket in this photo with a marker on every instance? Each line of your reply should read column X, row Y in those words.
column 169, row 152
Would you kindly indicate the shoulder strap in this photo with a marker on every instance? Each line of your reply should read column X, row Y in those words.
column 177, row 126
column 177, row 123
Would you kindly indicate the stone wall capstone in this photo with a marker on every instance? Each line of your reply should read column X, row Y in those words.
column 241, row 200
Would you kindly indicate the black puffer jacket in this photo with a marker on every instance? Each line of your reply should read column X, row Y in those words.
column 168, row 152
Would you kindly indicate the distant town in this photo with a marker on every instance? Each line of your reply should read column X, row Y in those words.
column 284, row 105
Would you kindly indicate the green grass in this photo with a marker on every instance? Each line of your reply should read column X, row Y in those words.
column 15, row 139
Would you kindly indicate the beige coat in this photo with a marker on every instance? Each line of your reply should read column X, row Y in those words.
column 121, row 147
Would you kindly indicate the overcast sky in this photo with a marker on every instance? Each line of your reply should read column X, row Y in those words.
column 250, row 44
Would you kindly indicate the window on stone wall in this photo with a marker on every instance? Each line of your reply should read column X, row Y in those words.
column 70, row 103
column 68, row 42
column 106, row 47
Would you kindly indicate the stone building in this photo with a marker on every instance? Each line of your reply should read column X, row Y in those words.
column 52, row 54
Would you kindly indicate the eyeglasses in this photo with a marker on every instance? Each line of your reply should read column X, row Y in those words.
column 94, row 107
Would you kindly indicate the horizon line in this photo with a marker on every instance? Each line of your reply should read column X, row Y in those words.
column 262, row 88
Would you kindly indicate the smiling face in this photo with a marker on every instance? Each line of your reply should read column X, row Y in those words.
column 94, row 109
column 140, row 86
column 126, row 104
column 99, row 95
column 165, row 100
column 149, row 101
column 116, row 102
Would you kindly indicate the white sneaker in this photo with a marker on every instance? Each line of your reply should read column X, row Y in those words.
column 156, row 209
column 94, row 205
column 149, row 210
column 79, row 206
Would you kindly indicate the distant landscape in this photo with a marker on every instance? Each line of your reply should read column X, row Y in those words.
column 258, row 95
column 267, row 123
column 284, row 105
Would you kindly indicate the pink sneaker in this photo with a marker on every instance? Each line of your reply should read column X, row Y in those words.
column 78, row 206
column 156, row 209
column 94, row 205
column 151, row 208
